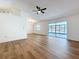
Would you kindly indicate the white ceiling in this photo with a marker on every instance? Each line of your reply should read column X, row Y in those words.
column 55, row 8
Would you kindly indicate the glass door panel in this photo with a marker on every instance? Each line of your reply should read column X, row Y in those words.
column 58, row 29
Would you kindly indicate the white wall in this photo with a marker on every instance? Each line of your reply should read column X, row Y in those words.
column 73, row 28
column 30, row 27
column 11, row 28
column 43, row 28
column 14, row 27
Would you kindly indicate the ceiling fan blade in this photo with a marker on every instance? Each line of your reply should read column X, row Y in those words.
column 38, row 7
column 44, row 9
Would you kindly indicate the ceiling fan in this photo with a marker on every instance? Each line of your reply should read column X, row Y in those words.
column 40, row 10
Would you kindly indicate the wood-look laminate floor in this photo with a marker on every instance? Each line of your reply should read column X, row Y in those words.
column 40, row 47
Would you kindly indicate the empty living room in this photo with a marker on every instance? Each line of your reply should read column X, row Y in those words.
column 39, row 29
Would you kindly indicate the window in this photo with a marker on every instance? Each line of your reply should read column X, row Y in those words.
column 52, row 28
column 58, row 29
column 37, row 27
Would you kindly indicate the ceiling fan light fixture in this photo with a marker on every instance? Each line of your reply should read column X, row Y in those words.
column 39, row 12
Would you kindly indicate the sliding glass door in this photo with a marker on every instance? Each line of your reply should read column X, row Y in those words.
column 52, row 29
column 58, row 29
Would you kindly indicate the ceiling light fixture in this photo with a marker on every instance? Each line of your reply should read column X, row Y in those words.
column 9, row 10
column 39, row 9
column 39, row 12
